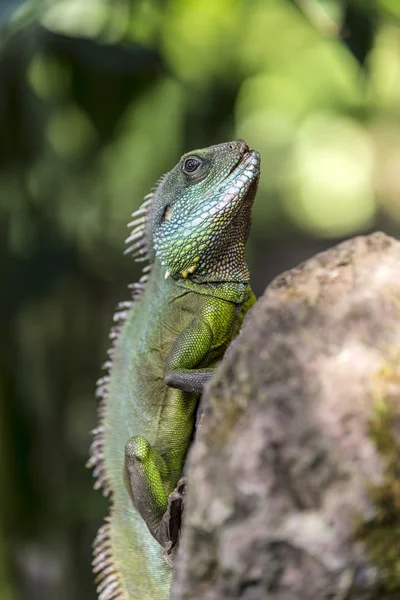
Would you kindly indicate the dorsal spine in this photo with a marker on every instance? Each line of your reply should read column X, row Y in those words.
column 107, row 577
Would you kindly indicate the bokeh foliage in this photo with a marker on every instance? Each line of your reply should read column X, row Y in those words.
column 97, row 99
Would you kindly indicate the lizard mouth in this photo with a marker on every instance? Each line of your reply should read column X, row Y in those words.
column 239, row 162
column 249, row 156
column 246, row 170
column 237, row 183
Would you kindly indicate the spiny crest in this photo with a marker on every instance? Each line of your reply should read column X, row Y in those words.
column 138, row 240
column 108, row 584
column 96, row 460
column 140, row 250
column 109, row 587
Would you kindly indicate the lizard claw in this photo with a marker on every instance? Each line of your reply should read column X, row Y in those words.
column 167, row 554
column 173, row 519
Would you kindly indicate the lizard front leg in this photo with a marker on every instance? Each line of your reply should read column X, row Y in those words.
column 190, row 350
column 147, row 473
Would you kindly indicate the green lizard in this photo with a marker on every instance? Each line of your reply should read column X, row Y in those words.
column 186, row 310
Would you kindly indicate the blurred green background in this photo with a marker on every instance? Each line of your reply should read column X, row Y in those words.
column 97, row 99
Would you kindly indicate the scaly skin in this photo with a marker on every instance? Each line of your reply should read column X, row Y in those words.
column 190, row 308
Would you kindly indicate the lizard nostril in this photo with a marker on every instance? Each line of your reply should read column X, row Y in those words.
column 243, row 147
column 239, row 145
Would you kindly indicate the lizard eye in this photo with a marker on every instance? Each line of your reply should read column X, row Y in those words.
column 191, row 164
column 167, row 214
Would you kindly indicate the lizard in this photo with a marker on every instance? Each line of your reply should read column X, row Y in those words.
column 191, row 230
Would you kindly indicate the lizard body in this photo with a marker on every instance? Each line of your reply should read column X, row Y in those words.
column 187, row 309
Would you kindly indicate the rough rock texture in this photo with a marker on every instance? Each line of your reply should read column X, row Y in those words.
column 294, row 489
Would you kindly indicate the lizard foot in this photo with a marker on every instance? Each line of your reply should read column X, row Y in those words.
column 173, row 520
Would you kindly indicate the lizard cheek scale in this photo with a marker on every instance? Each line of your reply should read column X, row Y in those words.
column 191, row 232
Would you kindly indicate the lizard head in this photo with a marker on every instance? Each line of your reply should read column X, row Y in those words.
column 200, row 217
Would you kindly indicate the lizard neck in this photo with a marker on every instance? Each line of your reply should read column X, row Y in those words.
column 222, row 271
column 224, row 260
column 237, row 292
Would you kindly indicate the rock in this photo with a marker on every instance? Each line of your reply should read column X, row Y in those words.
column 293, row 481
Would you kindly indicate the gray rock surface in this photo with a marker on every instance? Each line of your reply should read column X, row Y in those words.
column 286, row 470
